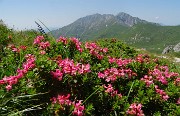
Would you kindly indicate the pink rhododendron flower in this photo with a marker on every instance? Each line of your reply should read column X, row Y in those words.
column 23, row 47
column 62, row 100
column 44, row 45
column 162, row 73
column 140, row 58
column 20, row 73
column 57, row 74
column 162, row 93
column 69, row 67
column 77, row 43
column 8, row 87
column 112, row 60
column 122, row 62
column 2, row 82
column 100, row 57
column 65, row 101
column 113, row 73
column 110, row 90
column 95, row 50
column 90, row 45
column 38, row 39
column 63, row 40
column 78, row 108
column 84, row 68
column 105, row 50
column 135, row 109
column 15, row 49
column 101, row 75
column 177, row 81
column 165, row 97
column 148, row 80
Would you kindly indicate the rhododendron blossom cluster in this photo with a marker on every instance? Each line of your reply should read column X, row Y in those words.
column 110, row 90
column 73, row 40
column 64, row 101
column 160, row 74
column 177, row 81
column 42, row 45
column 57, row 74
column 77, row 43
column 15, row 49
column 120, row 62
column 68, row 66
column 162, row 93
column 148, row 80
column 142, row 58
column 28, row 65
column 95, row 50
column 135, row 110
column 38, row 40
column 113, row 73
column 63, row 40
column 78, row 108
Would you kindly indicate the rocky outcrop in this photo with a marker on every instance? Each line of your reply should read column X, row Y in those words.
column 168, row 49
column 177, row 48
column 172, row 48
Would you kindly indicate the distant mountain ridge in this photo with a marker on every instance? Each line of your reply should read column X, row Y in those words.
column 85, row 25
column 132, row 30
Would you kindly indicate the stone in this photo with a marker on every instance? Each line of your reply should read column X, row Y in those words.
column 177, row 48
column 168, row 49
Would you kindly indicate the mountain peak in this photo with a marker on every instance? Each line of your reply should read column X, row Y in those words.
column 128, row 19
column 122, row 14
column 98, row 23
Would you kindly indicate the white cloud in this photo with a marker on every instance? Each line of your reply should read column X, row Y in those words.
column 156, row 17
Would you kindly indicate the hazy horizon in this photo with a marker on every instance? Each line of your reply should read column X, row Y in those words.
column 21, row 14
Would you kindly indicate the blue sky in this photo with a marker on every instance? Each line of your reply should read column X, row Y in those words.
column 21, row 14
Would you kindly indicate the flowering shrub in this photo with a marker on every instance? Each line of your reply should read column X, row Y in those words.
column 68, row 77
column 29, row 64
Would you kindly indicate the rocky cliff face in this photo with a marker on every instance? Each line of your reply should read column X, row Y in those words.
column 168, row 49
column 128, row 20
column 177, row 48
column 172, row 48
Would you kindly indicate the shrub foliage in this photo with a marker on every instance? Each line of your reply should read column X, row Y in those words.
column 67, row 77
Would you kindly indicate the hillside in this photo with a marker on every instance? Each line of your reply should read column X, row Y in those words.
column 94, row 25
column 132, row 30
column 152, row 37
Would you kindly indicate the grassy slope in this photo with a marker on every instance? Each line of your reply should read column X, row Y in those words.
column 154, row 38
column 150, row 36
